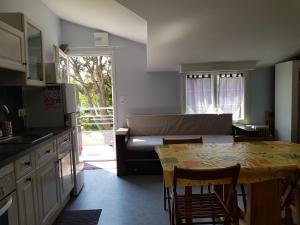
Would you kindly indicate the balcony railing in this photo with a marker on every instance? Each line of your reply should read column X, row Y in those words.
column 97, row 118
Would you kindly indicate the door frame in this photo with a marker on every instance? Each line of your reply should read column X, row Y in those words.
column 110, row 53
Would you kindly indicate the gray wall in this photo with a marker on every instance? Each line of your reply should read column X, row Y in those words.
column 160, row 92
column 36, row 11
column 143, row 93
column 259, row 95
column 283, row 103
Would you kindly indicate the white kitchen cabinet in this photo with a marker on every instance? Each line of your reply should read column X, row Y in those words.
column 58, row 72
column 48, row 191
column 64, row 152
column 27, row 200
column 24, row 165
column 66, row 176
column 33, row 42
column 11, row 48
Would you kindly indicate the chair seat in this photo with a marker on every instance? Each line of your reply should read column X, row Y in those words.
column 198, row 206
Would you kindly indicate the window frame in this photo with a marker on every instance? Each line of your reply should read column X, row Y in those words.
column 215, row 91
column 212, row 93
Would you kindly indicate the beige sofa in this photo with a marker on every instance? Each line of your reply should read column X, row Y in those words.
column 135, row 144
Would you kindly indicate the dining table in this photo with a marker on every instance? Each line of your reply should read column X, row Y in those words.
column 264, row 165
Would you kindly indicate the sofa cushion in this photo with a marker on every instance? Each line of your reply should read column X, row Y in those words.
column 144, row 146
column 180, row 124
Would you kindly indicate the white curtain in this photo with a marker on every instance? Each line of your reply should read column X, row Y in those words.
column 199, row 95
column 231, row 95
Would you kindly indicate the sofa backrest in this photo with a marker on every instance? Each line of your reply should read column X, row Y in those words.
column 181, row 124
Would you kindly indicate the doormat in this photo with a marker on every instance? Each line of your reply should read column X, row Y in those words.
column 88, row 166
column 78, row 217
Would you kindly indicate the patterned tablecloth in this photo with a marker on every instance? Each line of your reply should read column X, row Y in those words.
column 260, row 161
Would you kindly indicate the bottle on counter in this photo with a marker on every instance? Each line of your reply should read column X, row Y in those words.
column 7, row 128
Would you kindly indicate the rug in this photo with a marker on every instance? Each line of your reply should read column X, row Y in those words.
column 88, row 166
column 78, row 217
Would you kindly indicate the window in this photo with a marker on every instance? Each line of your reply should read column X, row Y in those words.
column 216, row 93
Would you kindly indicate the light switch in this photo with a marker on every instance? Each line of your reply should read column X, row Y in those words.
column 122, row 99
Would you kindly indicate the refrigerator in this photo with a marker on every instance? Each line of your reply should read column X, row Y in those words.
column 54, row 106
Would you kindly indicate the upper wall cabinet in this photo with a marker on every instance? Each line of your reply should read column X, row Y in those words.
column 58, row 72
column 34, row 63
column 11, row 48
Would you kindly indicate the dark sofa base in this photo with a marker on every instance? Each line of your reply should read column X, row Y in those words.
column 140, row 167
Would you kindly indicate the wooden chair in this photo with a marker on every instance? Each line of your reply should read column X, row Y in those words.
column 168, row 141
column 249, row 139
column 252, row 139
column 289, row 198
column 190, row 208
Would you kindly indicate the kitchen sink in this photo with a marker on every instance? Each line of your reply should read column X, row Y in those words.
column 24, row 139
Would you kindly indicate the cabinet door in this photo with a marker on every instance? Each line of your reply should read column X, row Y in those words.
column 62, row 67
column 34, row 50
column 47, row 185
column 66, row 176
column 27, row 200
column 11, row 48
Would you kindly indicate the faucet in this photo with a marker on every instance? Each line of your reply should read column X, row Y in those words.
column 6, row 126
column 5, row 108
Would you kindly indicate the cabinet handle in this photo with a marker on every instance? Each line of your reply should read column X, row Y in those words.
column 27, row 163
column 24, row 63
column 6, row 206
column 28, row 179
column 48, row 151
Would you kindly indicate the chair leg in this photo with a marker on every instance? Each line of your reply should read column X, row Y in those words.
column 169, row 204
column 288, row 217
column 235, row 210
column 288, row 192
column 173, row 213
column 165, row 197
column 244, row 197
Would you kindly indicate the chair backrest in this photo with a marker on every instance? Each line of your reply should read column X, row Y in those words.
column 168, row 141
column 229, row 173
column 250, row 139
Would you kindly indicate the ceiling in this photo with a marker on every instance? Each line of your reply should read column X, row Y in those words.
column 195, row 31
column 106, row 15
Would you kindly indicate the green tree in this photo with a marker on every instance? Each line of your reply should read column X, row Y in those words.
column 92, row 74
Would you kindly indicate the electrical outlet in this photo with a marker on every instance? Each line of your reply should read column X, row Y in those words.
column 22, row 112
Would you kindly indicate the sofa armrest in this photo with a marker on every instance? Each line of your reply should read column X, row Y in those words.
column 122, row 131
column 122, row 135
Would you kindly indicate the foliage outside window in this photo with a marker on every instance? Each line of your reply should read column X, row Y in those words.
column 92, row 75
column 216, row 93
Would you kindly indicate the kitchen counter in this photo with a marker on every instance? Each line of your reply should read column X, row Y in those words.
column 11, row 152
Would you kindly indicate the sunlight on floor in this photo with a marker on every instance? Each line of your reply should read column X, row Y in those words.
column 98, row 153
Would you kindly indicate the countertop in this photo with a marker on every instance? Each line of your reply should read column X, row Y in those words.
column 11, row 152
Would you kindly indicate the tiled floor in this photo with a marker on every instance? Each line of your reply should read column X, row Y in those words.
column 129, row 200
column 132, row 200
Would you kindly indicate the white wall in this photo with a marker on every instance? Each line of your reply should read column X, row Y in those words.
column 259, row 95
column 283, row 103
column 144, row 93
column 36, row 11
column 160, row 92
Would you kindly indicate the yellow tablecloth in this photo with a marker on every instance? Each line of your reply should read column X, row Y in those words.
column 260, row 161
